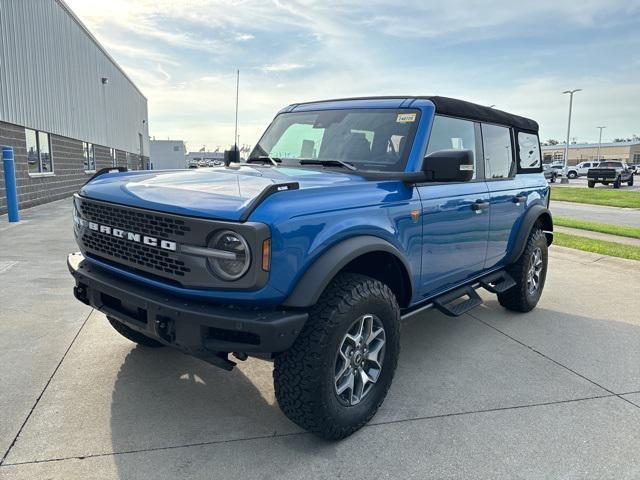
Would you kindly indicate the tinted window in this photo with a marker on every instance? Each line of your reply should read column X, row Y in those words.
column 33, row 158
column 38, row 151
column 453, row 134
column 45, row 152
column 498, row 156
column 89, row 157
column 529, row 148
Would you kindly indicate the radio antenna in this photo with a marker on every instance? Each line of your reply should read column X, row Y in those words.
column 235, row 137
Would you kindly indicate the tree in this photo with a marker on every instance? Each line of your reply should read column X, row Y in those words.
column 552, row 141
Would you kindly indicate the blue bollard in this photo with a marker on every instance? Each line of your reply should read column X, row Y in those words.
column 10, row 183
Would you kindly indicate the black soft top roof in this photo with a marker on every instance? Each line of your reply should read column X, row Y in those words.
column 473, row 111
column 463, row 109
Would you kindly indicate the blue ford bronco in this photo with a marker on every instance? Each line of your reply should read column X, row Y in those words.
column 348, row 216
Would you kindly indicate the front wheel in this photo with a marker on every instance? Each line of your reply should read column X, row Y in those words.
column 572, row 175
column 591, row 184
column 337, row 373
column 630, row 182
column 617, row 183
column 529, row 272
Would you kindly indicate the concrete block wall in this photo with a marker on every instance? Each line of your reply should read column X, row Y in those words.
column 68, row 167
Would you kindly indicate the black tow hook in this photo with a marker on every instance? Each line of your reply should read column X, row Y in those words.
column 165, row 329
column 80, row 292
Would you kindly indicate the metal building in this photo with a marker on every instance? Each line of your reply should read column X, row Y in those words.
column 167, row 154
column 66, row 107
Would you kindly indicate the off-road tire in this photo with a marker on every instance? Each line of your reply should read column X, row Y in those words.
column 617, row 183
column 130, row 334
column 591, row 184
column 304, row 375
column 518, row 298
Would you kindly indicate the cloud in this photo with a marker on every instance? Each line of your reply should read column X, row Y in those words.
column 183, row 56
column 281, row 67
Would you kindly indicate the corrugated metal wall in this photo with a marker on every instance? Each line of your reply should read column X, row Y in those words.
column 50, row 79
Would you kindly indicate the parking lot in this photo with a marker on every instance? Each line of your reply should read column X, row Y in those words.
column 550, row 394
column 581, row 182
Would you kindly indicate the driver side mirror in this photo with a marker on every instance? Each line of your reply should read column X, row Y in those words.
column 448, row 166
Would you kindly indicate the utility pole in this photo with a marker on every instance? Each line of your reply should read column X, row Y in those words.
column 599, row 142
column 564, row 178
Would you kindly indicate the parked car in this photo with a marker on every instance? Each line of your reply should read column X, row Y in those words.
column 347, row 216
column 550, row 173
column 559, row 169
column 635, row 168
column 607, row 172
column 580, row 169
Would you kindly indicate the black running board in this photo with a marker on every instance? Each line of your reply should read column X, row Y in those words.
column 451, row 303
column 497, row 282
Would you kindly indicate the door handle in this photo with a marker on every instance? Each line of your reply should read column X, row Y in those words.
column 479, row 205
column 519, row 199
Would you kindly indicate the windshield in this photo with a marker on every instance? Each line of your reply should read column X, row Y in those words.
column 368, row 139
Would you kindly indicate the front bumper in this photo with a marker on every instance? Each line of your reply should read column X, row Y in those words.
column 197, row 328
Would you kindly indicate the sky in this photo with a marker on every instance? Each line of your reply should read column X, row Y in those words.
column 518, row 56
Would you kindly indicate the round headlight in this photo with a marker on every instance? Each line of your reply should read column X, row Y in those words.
column 239, row 258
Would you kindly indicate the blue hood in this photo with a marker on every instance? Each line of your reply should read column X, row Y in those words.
column 217, row 193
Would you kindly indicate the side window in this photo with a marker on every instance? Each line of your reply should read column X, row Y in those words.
column 38, row 152
column 453, row 134
column 529, row 149
column 89, row 157
column 498, row 155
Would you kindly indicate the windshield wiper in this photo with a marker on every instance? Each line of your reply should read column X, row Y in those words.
column 326, row 163
column 265, row 159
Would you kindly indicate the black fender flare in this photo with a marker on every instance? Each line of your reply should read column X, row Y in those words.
column 314, row 281
column 534, row 213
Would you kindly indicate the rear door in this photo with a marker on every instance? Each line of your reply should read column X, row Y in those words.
column 455, row 215
column 507, row 192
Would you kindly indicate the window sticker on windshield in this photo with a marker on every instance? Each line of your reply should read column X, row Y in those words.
column 406, row 118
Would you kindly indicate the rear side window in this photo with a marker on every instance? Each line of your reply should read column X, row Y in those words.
column 529, row 150
column 453, row 134
column 498, row 155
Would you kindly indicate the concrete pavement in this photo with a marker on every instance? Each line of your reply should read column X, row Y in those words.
column 596, row 213
column 548, row 394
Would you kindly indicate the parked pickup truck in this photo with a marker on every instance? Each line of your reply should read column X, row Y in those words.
column 580, row 169
column 610, row 172
column 348, row 216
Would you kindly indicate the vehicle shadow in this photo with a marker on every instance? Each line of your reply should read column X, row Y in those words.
column 162, row 398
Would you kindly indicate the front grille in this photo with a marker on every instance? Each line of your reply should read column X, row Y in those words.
column 134, row 220
column 134, row 254
column 170, row 266
column 162, row 264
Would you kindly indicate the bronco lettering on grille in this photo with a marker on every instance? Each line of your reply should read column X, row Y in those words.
column 134, row 237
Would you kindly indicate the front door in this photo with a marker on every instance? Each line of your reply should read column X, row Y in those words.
column 455, row 216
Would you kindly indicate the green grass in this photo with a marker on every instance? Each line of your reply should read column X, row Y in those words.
column 597, row 196
column 602, row 247
column 621, row 230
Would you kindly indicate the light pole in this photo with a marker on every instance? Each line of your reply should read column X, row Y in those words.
column 599, row 143
column 564, row 178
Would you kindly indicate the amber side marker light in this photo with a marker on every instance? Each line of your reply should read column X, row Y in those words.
column 266, row 255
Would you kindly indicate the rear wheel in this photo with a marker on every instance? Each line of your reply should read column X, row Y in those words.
column 529, row 272
column 591, row 184
column 132, row 335
column 337, row 373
